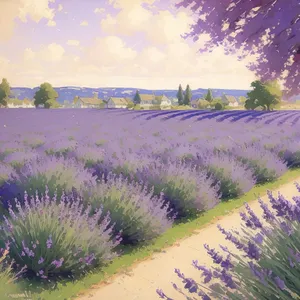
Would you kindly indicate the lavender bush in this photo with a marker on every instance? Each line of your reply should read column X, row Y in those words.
column 136, row 212
column 89, row 155
column 57, row 173
column 59, row 147
column 289, row 152
column 53, row 237
column 186, row 189
column 266, row 165
column 235, row 178
column 266, row 263
column 122, row 162
column 19, row 158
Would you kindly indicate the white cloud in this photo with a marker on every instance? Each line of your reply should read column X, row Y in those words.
column 109, row 61
column 110, row 50
column 99, row 10
column 22, row 9
column 84, row 23
column 128, row 21
column 60, row 7
column 53, row 52
column 50, row 53
column 165, row 61
column 107, row 23
column 51, row 23
column 73, row 42
column 125, row 4
column 160, row 28
column 35, row 9
column 28, row 54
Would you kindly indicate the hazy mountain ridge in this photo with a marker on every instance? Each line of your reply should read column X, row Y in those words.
column 68, row 93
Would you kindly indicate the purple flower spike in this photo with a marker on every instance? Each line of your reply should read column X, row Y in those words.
column 279, row 282
column 162, row 295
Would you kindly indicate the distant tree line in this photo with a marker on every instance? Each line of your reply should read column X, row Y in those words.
column 265, row 96
column 46, row 96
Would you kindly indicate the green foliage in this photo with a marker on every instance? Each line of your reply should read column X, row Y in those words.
column 267, row 95
column 187, row 96
column 242, row 100
column 180, row 95
column 75, row 100
column 8, row 287
column 4, row 85
column 219, row 106
column 209, row 97
column 46, row 96
column 51, row 103
column 130, row 104
column 137, row 107
column 203, row 104
column 4, row 92
column 137, row 98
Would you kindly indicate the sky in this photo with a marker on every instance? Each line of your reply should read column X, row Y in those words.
column 109, row 43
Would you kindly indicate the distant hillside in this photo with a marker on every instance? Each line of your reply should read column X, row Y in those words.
column 68, row 93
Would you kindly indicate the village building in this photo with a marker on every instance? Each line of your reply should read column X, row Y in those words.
column 88, row 102
column 117, row 102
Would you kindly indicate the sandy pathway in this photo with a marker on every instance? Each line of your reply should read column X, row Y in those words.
column 158, row 271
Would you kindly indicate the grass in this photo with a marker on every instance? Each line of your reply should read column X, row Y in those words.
column 70, row 289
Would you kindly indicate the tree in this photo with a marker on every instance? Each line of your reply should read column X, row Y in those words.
column 52, row 103
column 203, row 104
column 215, row 101
column 180, row 95
column 262, row 96
column 219, row 106
column 209, row 96
column 46, row 96
column 187, row 96
column 4, row 92
column 137, row 98
column 242, row 26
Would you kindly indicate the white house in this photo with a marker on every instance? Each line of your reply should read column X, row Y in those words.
column 117, row 102
column 194, row 103
column 150, row 101
column 147, row 101
column 163, row 101
column 23, row 105
column 174, row 101
column 91, row 102
column 230, row 101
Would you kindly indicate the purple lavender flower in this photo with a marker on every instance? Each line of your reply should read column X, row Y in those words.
column 49, row 242
column 41, row 260
column 58, row 263
column 279, row 282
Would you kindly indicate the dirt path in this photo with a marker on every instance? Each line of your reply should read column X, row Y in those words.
column 158, row 271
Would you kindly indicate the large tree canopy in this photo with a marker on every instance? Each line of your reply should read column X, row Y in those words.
column 46, row 95
column 268, row 28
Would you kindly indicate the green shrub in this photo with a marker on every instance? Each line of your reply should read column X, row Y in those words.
column 219, row 106
column 8, row 285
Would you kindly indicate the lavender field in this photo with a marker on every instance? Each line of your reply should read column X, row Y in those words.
column 76, row 185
